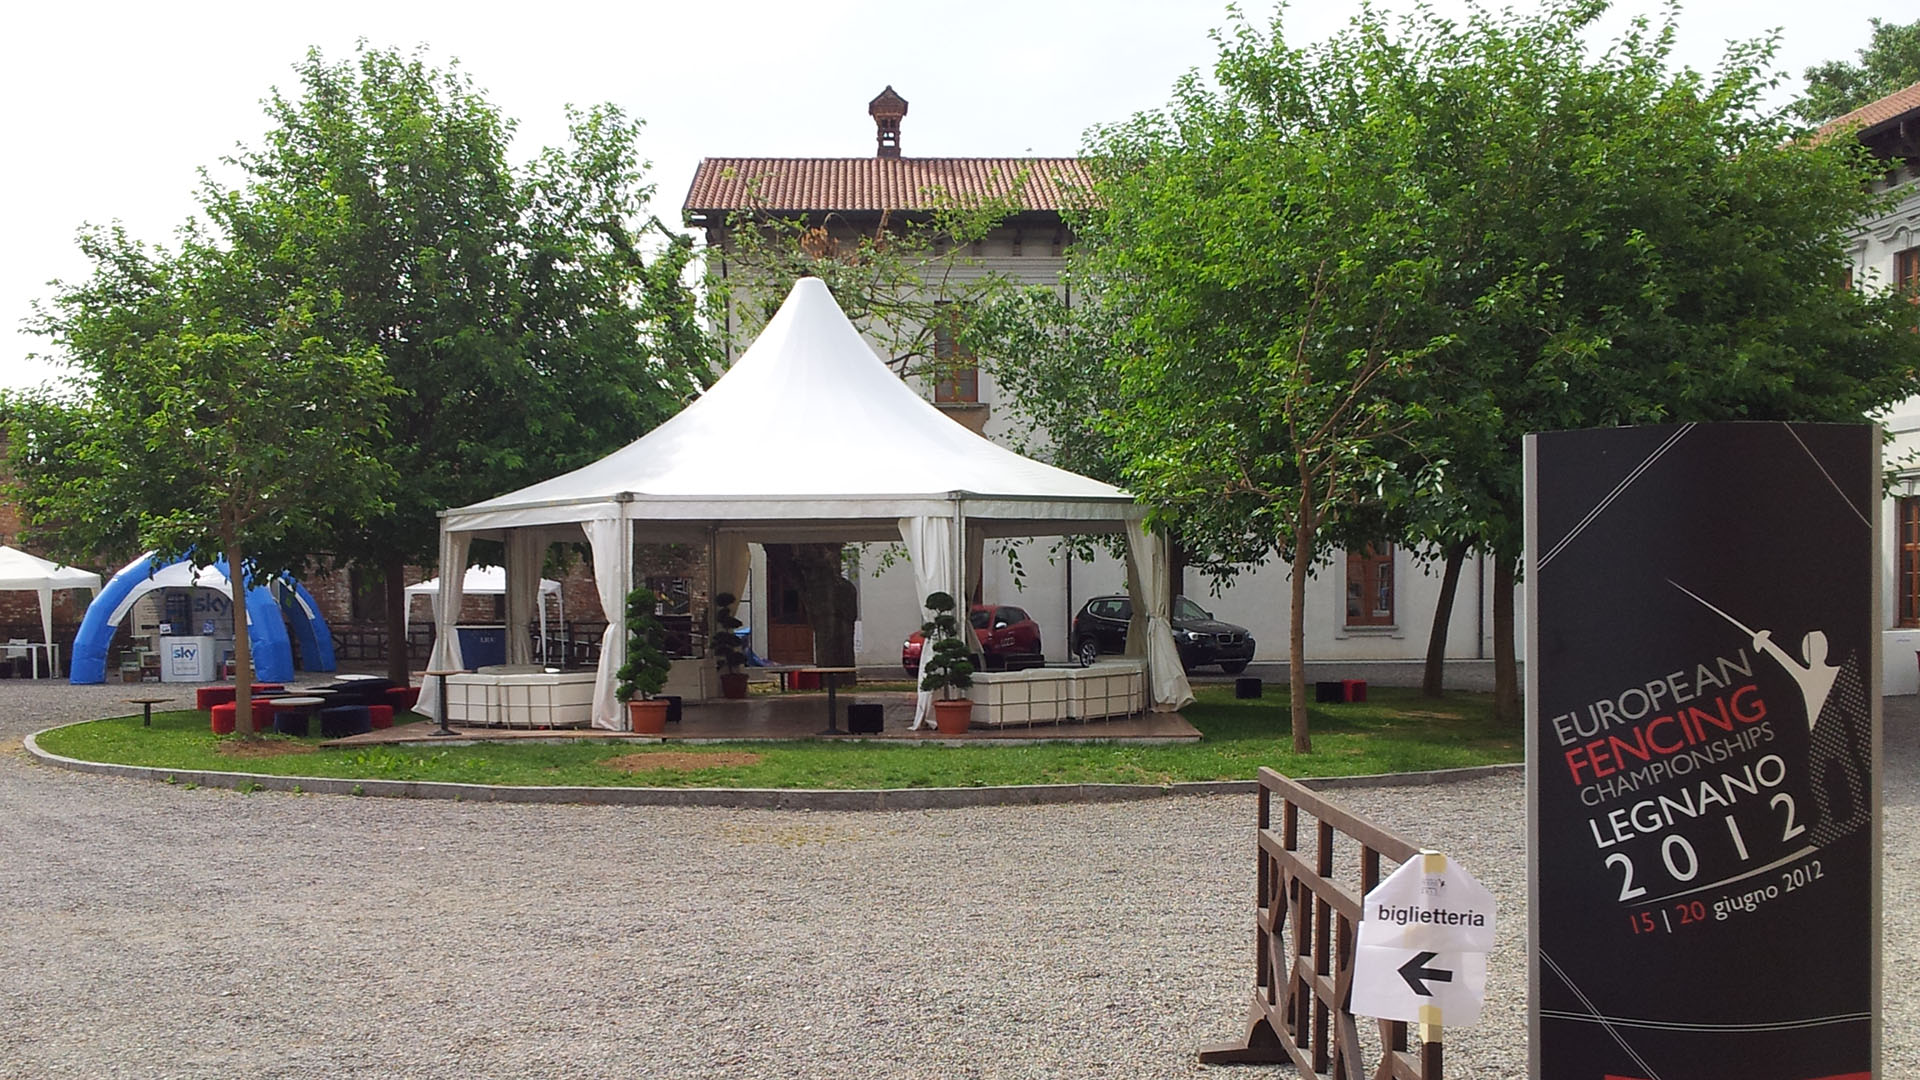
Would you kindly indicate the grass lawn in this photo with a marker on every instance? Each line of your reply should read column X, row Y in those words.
column 1395, row 731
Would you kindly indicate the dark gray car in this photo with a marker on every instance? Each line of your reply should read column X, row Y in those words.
column 1101, row 627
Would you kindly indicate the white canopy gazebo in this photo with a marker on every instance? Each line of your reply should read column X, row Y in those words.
column 781, row 449
column 21, row 571
column 484, row 581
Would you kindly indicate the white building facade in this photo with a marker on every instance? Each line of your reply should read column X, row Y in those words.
column 1886, row 251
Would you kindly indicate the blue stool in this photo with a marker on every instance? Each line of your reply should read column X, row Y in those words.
column 339, row 721
column 288, row 722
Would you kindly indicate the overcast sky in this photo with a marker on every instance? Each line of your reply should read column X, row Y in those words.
column 111, row 107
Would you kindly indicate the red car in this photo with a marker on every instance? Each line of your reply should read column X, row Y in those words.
column 1008, row 639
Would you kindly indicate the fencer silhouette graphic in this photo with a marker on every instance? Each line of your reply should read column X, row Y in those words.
column 1835, row 699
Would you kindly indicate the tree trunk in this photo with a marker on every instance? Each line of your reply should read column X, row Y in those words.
column 243, row 718
column 1506, row 673
column 1433, row 680
column 830, row 600
column 393, row 569
column 1303, row 529
column 1176, row 567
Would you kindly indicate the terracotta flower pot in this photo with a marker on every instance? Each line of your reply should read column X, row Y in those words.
column 647, row 717
column 953, row 717
column 733, row 685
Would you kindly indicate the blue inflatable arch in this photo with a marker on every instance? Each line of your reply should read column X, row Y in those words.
column 267, row 620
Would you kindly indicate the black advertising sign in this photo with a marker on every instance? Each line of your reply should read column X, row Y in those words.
column 1703, row 752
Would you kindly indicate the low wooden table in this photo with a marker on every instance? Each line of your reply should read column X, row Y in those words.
column 146, row 708
column 830, row 677
column 302, row 703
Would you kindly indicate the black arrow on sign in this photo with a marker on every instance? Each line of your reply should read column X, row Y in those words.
column 1415, row 970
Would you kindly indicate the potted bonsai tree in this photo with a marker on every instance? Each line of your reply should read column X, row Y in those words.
column 724, row 647
column 946, row 665
column 645, row 672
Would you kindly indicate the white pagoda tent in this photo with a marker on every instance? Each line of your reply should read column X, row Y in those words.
column 782, row 449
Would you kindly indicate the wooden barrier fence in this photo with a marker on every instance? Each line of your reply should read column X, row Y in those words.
column 1305, row 925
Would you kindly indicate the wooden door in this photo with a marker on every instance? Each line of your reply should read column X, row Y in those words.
column 789, row 635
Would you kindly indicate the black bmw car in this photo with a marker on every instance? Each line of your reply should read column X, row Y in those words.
column 1101, row 627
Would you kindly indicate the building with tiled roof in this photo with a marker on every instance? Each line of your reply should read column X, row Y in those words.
column 1885, row 126
column 1355, row 616
column 843, row 200
column 848, row 198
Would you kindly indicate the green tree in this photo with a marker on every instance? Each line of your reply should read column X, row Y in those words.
column 532, row 319
column 1890, row 62
column 203, row 414
column 1522, row 235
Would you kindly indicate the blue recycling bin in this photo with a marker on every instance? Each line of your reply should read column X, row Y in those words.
column 482, row 646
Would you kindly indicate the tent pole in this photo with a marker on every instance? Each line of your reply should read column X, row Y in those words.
column 961, row 601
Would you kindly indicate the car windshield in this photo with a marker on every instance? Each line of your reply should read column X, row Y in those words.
column 978, row 619
column 1184, row 608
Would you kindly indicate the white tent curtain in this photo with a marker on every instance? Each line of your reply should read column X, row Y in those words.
column 929, row 543
column 611, row 554
column 1147, row 586
column 524, row 550
column 732, row 561
column 446, row 639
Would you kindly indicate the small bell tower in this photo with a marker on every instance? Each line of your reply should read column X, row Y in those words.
column 886, row 110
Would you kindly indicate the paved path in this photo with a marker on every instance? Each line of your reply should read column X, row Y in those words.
column 151, row 931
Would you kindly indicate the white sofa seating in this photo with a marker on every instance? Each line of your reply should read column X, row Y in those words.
column 521, row 695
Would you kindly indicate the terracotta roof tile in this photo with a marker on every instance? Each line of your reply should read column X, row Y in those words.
column 1875, row 113
column 876, row 183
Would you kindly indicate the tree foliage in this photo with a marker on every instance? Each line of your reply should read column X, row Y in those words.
column 205, row 414
column 531, row 318
column 1453, row 233
column 1890, row 62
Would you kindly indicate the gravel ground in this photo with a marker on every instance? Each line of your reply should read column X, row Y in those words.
column 157, row 932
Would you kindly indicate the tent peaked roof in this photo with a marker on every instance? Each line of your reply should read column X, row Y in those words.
column 808, row 422
column 20, row 570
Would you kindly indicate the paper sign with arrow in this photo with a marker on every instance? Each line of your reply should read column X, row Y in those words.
column 1397, row 984
column 1421, row 955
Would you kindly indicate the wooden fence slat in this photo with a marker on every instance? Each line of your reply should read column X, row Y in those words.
column 1299, row 907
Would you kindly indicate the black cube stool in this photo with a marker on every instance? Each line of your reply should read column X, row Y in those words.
column 673, row 707
column 865, row 719
column 1325, row 692
column 289, row 722
column 1246, row 688
column 340, row 721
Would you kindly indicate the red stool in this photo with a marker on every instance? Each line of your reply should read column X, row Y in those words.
column 206, row 697
column 380, row 715
column 1353, row 689
column 226, row 716
column 402, row 698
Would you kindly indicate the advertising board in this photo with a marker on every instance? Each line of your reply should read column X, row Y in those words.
column 1703, row 781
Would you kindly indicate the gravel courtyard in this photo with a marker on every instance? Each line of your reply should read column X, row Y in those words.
column 151, row 931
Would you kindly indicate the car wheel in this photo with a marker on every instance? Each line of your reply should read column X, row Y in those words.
column 1087, row 652
column 1234, row 668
